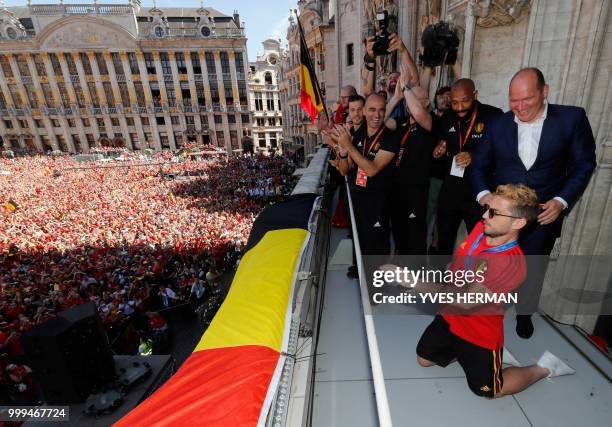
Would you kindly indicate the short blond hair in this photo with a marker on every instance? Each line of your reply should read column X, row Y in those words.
column 524, row 200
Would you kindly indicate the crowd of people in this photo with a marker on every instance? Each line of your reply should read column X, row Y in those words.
column 133, row 236
column 509, row 177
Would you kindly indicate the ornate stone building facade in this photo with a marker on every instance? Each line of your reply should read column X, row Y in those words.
column 264, row 98
column 77, row 76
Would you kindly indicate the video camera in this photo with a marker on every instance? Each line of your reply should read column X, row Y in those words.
column 381, row 40
column 439, row 40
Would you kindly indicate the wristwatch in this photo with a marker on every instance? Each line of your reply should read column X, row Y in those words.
column 343, row 157
column 405, row 88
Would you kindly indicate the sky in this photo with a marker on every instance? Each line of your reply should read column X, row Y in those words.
column 263, row 19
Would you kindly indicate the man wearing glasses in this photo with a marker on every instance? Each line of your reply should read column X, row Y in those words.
column 472, row 333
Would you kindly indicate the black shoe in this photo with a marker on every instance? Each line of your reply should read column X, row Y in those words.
column 352, row 272
column 524, row 326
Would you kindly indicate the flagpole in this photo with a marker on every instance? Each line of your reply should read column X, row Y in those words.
column 311, row 65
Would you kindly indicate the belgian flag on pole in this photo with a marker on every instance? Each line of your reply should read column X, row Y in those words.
column 310, row 92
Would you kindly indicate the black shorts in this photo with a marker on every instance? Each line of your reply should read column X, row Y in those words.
column 482, row 366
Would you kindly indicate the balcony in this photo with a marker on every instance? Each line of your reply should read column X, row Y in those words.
column 110, row 109
column 81, row 9
column 74, row 78
column 50, row 111
column 217, row 107
column 204, row 108
column 168, row 78
column 120, row 77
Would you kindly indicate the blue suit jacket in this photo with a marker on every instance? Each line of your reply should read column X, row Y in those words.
column 564, row 163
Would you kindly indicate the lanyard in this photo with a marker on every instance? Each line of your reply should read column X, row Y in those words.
column 496, row 249
column 401, row 151
column 462, row 140
column 373, row 142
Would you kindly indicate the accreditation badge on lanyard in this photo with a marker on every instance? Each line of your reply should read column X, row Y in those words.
column 361, row 179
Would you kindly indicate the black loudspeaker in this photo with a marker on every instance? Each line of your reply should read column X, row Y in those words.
column 70, row 355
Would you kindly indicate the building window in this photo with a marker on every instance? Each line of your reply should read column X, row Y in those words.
column 38, row 123
column 180, row 62
column 55, row 123
column 229, row 93
column 220, row 138
column 8, row 124
column 72, row 123
column 160, row 120
column 14, row 91
column 57, row 68
column 72, row 69
column 242, row 91
column 171, row 95
column 200, row 94
column 163, row 138
column 231, row 118
column 260, row 121
column 270, row 102
column 117, row 64
column 114, row 121
column 125, row 94
column 24, row 124
column 85, row 122
column 100, row 123
column 273, row 140
column 140, row 96
column 150, row 63
column 22, row 65
column 174, row 120
column 133, row 63
column 108, row 91
column 246, row 118
column 144, row 121
column 350, row 54
column 214, row 91
column 268, row 78
column 94, row 94
column 210, row 65
column 272, row 121
column 90, row 139
column 189, row 120
column 258, row 101
column 195, row 63
column 86, row 64
column 40, row 65
column 262, row 140
column 234, row 139
column 225, row 66
column 218, row 119
column 6, row 66
column 239, row 60
column 165, row 63
column 129, row 121
column 101, row 64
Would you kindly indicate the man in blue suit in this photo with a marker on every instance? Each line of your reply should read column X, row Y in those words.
column 547, row 147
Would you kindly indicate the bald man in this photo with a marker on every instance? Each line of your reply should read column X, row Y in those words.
column 551, row 149
column 461, row 130
column 365, row 158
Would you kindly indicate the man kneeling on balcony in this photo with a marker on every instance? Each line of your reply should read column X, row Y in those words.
column 470, row 331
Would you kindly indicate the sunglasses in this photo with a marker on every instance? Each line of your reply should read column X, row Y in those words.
column 493, row 213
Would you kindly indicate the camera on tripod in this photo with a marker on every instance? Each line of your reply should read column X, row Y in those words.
column 440, row 44
column 381, row 40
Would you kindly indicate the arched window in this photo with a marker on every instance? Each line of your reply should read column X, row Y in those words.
column 268, row 78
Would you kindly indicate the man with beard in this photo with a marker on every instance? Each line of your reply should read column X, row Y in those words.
column 461, row 130
column 408, row 197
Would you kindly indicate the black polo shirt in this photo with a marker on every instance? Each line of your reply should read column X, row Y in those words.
column 453, row 128
column 414, row 157
column 369, row 146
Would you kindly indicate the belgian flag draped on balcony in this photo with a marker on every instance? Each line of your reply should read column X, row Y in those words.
column 310, row 92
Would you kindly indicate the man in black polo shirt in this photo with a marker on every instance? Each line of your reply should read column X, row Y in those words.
column 408, row 197
column 460, row 131
column 368, row 167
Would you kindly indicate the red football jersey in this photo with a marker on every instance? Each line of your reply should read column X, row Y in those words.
column 504, row 270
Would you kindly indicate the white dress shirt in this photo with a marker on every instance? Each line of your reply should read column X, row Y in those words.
column 528, row 142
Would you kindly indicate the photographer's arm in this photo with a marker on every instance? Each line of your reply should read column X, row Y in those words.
column 368, row 73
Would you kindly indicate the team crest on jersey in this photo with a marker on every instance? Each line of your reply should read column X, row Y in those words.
column 481, row 265
column 479, row 127
column 485, row 388
column 359, row 144
column 452, row 129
